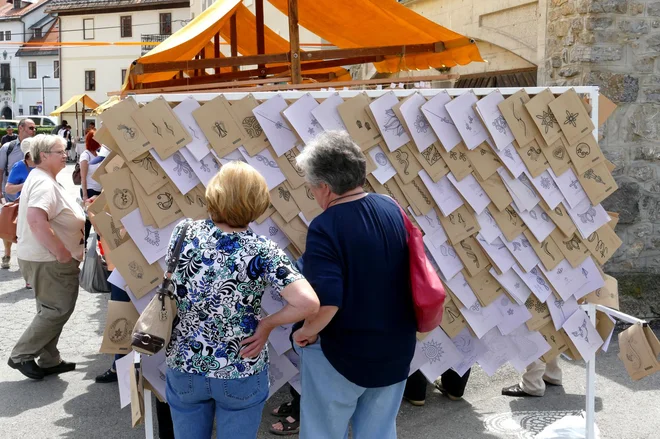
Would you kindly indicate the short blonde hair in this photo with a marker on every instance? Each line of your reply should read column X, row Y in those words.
column 237, row 195
column 43, row 143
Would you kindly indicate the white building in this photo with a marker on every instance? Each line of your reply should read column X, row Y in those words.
column 96, row 70
column 23, row 68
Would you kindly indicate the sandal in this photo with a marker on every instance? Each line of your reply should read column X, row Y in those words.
column 288, row 428
column 283, row 410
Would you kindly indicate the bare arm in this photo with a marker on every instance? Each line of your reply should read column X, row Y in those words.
column 84, row 168
column 313, row 325
column 38, row 221
column 12, row 189
column 302, row 303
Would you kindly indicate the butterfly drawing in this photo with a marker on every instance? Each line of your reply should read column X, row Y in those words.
column 582, row 331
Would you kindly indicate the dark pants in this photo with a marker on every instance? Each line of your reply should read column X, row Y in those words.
column 164, row 417
column 118, row 295
column 88, row 225
column 452, row 382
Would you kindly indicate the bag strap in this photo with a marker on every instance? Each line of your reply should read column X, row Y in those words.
column 176, row 252
column 10, row 149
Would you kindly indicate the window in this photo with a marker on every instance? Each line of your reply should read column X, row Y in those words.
column 34, row 110
column 126, row 24
column 37, row 33
column 166, row 24
column 88, row 29
column 56, row 69
column 8, row 35
column 90, row 80
column 2, row 36
column 123, row 76
column 5, row 77
column 32, row 69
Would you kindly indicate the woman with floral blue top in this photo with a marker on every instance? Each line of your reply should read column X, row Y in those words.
column 217, row 360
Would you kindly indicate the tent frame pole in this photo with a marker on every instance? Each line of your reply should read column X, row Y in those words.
column 261, row 42
column 294, row 43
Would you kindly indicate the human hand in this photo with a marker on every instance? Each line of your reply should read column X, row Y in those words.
column 302, row 339
column 64, row 256
column 252, row 346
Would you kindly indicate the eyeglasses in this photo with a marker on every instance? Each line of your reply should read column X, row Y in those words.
column 56, row 152
column 32, row 128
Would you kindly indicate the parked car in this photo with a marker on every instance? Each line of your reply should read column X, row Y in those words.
column 4, row 123
column 45, row 121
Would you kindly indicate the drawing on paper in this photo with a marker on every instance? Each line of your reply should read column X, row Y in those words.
column 274, row 374
column 588, row 216
column 359, row 124
column 500, row 124
column 582, row 150
column 468, row 126
column 574, row 184
column 284, row 194
column 591, row 175
column 476, row 307
column 633, row 356
column 119, row 330
column 276, row 296
column 203, row 166
column 559, row 304
column 544, row 246
column 507, row 152
column 447, row 251
column 309, row 193
column 123, row 198
column 518, row 118
column 220, row 129
column 153, row 237
column 168, row 128
column 582, row 331
column 190, row 200
column 421, row 124
column 291, row 158
column 585, row 273
column 278, row 124
column 458, row 156
column 452, row 315
column 194, row 132
column 534, row 153
column 443, row 119
column 167, row 201
column 129, row 133
column 157, row 129
column 272, row 230
column 402, row 157
column 533, row 214
column 252, row 127
column 546, row 183
column 571, row 119
column 116, row 233
column 433, row 351
column 147, row 163
column 381, row 159
column 470, row 254
column 201, row 201
column 422, row 194
column 547, row 120
column 558, row 153
column 393, row 124
column 182, row 166
column 265, row 161
column 464, row 344
column 136, row 270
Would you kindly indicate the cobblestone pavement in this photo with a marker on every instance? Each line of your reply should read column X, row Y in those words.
column 73, row 406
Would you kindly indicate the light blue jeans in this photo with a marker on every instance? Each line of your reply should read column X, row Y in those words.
column 236, row 405
column 330, row 401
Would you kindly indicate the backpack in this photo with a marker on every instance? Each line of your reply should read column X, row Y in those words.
column 10, row 148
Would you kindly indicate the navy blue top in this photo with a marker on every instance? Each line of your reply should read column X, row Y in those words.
column 356, row 258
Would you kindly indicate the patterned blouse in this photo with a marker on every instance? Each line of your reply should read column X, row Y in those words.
column 219, row 281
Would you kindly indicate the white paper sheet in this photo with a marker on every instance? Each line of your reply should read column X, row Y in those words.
column 470, row 347
column 461, row 289
column 123, row 366
column 265, row 163
column 523, row 251
column 443, row 192
column 389, row 124
column 270, row 230
column 466, row 120
column 328, row 116
column 280, row 371
column 472, row 191
column 538, row 222
column 561, row 310
column 594, row 279
column 570, row 187
column 494, row 119
column 299, row 114
column 535, row 282
column 548, row 189
column 498, row 253
column 588, row 218
column 141, row 303
column 511, row 159
column 278, row 131
column 304, row 219
column 445, row 257
column 440, row 121
column 513, row 284
column 583, row 334
column 439, row 352
column 565, row 279
column 151, row 241
column 152, row 370
column 500, row 349
column 513, row 315
column 430, row 224
column 295, row 382
column 206, row 168
column 279, row 338
column 117, row 280
column 524, row 195
column 490, row 231
column 199, row 147
column 531, row 345
column 420, row 128
column 179, row 170
column 482, row 318
column 384, row 169
column 272, row 301
column 234, row 156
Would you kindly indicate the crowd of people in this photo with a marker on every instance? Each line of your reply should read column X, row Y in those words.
column 348, row 296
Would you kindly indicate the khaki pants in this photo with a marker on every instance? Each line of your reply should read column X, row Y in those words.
column 56, row 291
column 532, row 379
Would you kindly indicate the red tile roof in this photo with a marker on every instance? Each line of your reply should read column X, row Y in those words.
column 33, row 48
column 7, row 11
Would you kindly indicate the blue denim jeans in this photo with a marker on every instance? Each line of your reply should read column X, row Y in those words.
column 236, row 405
column 330, row 401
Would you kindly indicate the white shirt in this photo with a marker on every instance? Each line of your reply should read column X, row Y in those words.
column 87, row 156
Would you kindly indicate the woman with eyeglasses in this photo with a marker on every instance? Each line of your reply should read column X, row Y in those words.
column 50, row 231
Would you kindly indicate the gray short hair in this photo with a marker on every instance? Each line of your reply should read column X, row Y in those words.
column 334, row 159
column 43, row 143
column 23, row 122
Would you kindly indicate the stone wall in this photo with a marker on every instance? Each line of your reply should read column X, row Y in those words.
column 615, row 44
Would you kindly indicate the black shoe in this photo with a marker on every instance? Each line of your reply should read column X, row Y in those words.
column 107, row 377
column 515, row 390
column 63, row 367
column 28, row 368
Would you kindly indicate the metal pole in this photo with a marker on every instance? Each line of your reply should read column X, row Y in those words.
column 43, row 97
column 148, row 416
column 591, row 381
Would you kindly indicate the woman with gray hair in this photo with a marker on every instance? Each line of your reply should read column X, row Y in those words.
column 356, row 351
column 50, row 229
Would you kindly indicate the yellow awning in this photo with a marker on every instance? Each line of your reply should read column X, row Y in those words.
column 105, row 105
column 86, row 101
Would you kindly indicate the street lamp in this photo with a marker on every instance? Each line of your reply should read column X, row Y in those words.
column 43, row 95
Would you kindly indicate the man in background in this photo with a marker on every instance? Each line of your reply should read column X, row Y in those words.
column 10, row 153
column 9, row 136
column 57, row 128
